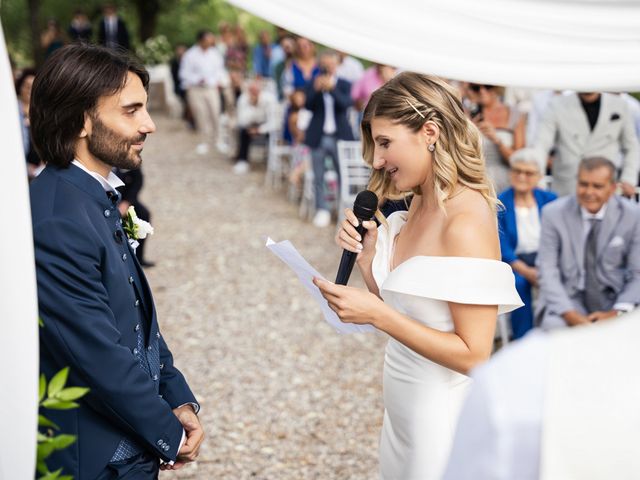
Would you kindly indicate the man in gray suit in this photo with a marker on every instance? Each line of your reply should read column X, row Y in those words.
column 589, row 256
column 588, row 125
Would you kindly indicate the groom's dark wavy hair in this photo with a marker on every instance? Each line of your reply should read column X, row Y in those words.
column 67, row 88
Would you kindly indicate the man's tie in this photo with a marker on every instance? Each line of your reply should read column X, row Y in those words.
column 592, row 291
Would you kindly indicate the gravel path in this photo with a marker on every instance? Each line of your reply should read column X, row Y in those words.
column 282, row 395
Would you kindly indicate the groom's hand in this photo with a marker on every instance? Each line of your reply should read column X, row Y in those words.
column 194, row 435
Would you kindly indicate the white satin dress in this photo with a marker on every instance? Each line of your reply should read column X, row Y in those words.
column 422, row 399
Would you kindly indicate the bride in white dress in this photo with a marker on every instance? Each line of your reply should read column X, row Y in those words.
column 435, row 281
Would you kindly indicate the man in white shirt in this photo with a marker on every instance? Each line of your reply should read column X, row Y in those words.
column 350, row 68
column 256, row 112
column 203, row 75
column 589, row 256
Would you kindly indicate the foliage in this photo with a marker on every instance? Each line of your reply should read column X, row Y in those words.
column 155, row 51
column 178, row 20
column 55, row 397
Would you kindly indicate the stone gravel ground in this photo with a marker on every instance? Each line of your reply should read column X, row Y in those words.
column 283, row 396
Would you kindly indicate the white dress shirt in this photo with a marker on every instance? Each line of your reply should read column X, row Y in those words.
column 261, row 114
column 202, row 67
column 109, row 184
column 350, row 69
column 329, row 127
column 528, row 227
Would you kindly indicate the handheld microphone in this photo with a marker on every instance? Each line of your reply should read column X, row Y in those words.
column 364, row 208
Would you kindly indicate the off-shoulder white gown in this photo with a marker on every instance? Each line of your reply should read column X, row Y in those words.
column 422, row 399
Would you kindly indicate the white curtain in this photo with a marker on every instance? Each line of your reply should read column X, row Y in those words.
column 584, row 45
column 18, row 309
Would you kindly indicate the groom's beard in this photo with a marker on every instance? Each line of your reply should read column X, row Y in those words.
column 113, row 149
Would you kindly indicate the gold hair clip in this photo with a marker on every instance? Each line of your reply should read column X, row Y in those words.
column 414, row 107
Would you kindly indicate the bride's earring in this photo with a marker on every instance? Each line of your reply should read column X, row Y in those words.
column 431, row 147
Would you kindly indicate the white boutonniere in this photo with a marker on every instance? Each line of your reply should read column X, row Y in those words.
column 135, row 228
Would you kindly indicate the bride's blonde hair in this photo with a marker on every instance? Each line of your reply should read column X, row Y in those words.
column 411, row 99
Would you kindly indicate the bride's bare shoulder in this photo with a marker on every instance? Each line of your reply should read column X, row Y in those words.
column 471, row 228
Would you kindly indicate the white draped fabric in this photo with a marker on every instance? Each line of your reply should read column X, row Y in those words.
column 584, row 45
column 18, row 309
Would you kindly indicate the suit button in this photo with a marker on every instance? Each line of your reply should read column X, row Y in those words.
column 155, row 378
column 158, row 334
column 107, row 213
column 161, row 366
column 137, row 304
column 137, row 329
column 135, row 351
column 159, row 442
column 149, row 348
column 124, row 257
column 130, row 279
column 166, row 448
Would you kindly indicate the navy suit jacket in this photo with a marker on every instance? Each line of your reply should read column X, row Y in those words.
column 122, row 34
column 508, row 229
column 87, row 300
column 342, row 101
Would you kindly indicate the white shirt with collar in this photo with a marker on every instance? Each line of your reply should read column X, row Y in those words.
column 202, row 68
column 109, row 184
column 329, row 127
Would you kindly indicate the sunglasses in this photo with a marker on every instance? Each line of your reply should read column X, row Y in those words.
column 476, row 87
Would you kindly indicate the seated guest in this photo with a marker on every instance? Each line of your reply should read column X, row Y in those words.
column 519, row 227
column 255, row 108
column 589, row 256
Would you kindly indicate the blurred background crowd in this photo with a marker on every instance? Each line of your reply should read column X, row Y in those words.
column 273, row 101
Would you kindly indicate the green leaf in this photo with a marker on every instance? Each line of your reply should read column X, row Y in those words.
column 52, row 475
column 44, row 450
column 40, row 322
column 43, row 438
column 45, row 422
column 57, row 382
column 60, row 442
column 66, row 477
column 72, row 393
column 42, row 467
column 55, row 404
column 42, row 388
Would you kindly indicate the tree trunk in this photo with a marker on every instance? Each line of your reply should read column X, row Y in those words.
column 147, row 17
column 34, row 26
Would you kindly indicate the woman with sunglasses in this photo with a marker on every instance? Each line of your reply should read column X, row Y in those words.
column 502, row 128
column 519, row 229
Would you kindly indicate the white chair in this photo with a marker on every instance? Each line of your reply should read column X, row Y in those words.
column 354, row 174
column 277, row 152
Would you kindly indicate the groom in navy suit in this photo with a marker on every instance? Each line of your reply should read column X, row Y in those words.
column 88, row 115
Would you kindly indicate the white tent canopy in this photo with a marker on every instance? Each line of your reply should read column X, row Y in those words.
column 18, row 309
column 584, row 45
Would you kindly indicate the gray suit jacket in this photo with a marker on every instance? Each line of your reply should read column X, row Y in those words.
column 560, row 259
column 566, row 127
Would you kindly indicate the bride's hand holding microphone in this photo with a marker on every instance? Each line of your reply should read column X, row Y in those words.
column 354, row 305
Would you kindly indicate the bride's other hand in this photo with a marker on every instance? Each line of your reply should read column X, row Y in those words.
column 349, row 239
column 352, row 305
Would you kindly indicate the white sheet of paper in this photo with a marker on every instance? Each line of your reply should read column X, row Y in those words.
column 286, row 252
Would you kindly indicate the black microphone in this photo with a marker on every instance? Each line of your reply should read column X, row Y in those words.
column 364, row 208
